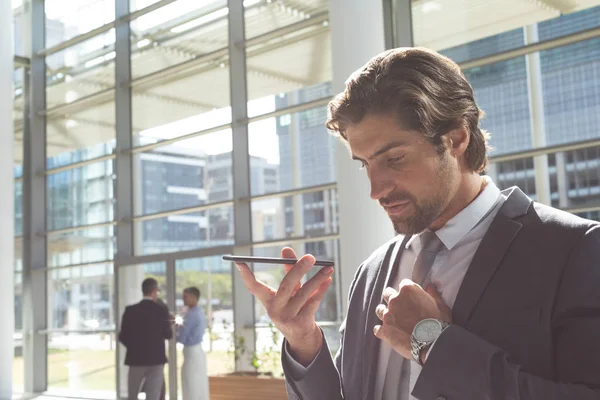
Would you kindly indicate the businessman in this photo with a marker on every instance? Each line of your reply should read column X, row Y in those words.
column 194, row 379
column 144, row 328
column 484, row 294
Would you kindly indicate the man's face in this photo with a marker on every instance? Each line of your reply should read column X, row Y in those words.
column 188, row 299
column 412, row 181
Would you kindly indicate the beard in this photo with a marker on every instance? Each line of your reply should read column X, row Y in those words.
column 425, row 211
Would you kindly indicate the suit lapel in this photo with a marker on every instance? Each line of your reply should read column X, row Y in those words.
column 387, row 270
column 490, row 253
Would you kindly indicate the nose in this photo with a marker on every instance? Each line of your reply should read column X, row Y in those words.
column 381, row 186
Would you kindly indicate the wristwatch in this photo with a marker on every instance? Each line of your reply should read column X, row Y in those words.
column 424, row 334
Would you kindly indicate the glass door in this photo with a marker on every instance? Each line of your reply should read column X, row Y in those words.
column 129, row 291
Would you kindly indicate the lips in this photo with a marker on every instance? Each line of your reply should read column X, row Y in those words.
column 397, row 208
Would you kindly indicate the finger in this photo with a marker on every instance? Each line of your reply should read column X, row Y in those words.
column 389, row 293
column 381, row 310
column 381, row 332
column 307, row 290
column 262, row 292
column 312, row 305
column 292, row 279
column 288, row 252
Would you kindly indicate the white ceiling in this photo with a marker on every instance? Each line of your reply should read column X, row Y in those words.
column 281, row 64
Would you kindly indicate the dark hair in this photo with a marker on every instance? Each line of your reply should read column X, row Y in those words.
column 148, row 286
column 427, row 91
column 194, row 291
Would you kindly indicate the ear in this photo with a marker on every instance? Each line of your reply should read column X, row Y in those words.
column 457, row 141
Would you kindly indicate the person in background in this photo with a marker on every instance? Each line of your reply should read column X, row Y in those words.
column 144, row 328
column 194, row 379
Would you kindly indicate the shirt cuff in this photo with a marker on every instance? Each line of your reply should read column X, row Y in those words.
column 297, row 370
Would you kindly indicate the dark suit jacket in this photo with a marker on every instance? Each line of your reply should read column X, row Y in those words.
column 526, row 321
column 144, row 329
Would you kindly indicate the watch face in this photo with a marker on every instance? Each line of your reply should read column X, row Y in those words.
column 428, row 330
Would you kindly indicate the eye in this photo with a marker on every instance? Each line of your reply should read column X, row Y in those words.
column 395, row 160
column 363, row 165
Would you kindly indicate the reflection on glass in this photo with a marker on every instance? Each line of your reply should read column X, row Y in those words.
column 213, row 278
column 185, row 174
column 65, row 20
column 263, row 16
column 80, row 196
column 80, row 298
column 309, row 214
column 209, row 228
column 83, row 246
column 289, row 61
column 82, row 364
column 87, row 133
column 180, row 32
column 291, row 151
column 81, row 70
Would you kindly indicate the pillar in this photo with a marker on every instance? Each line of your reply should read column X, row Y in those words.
column 7, row 210
column 364, row 226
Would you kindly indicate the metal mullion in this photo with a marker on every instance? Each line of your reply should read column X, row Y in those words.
column 187, row 210
column 162, row 143
column 80, row 164
column 295, row 240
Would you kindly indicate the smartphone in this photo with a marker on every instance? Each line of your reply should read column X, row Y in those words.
column 273, row 260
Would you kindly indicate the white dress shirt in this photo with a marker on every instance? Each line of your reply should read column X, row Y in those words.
column 461, row 237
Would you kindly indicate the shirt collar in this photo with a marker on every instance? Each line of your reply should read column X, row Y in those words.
column 463, row 222
column 148, row 298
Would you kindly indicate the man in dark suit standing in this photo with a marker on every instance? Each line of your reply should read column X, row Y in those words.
column 144, row 328
column 484, row 294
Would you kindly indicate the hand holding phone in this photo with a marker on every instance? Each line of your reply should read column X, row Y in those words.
column 293, row 305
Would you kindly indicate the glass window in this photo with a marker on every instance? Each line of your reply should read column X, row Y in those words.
column 65, row 20
column 18, row 365
column 179, row 32
column 82, row 246
column 208, row 228
column 80, row 196
column 185, row 174
column 289, row 62
column 501, row 92
column 298, row 153
column 265, row 16
column 570, row 23
column 80, row 298
column 309, row 214
column 82, row 364
column 84, row 134
column 213, row 278
column 573, row 177
column 571, row 91
column 81, row 70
